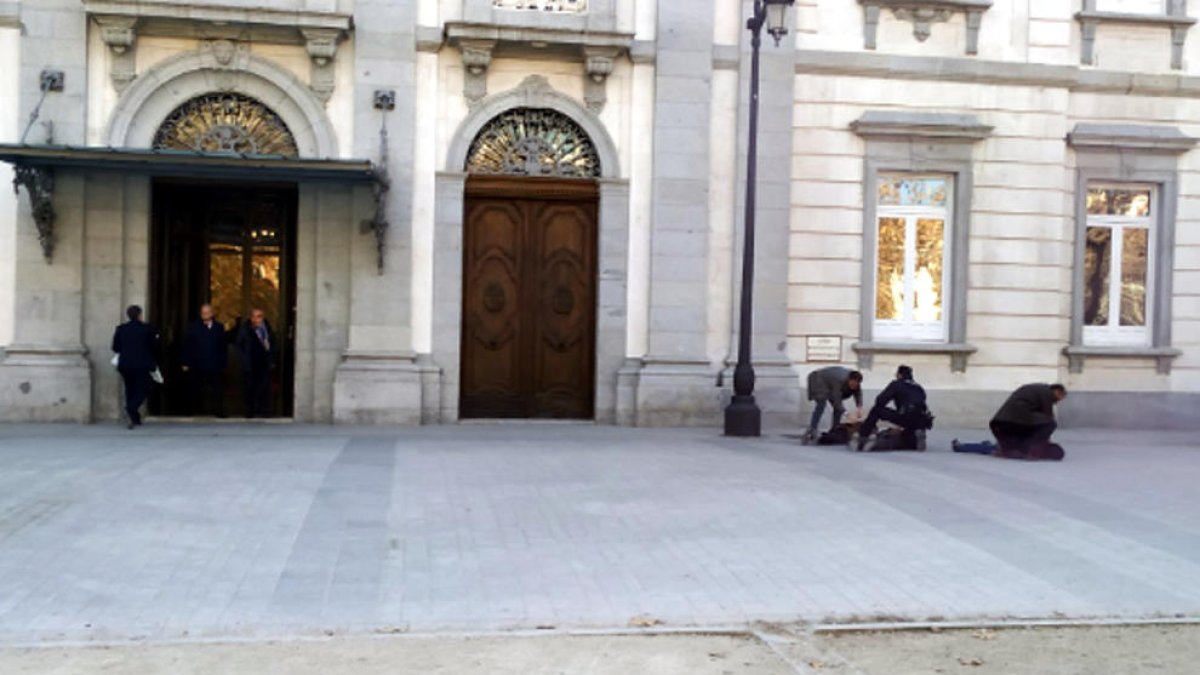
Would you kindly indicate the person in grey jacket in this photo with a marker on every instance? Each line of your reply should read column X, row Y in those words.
column 1026, row 420
column 832, row 386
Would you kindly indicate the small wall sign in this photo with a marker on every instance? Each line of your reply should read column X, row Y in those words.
column 824, row 348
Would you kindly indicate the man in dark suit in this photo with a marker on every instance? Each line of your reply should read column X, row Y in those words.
column 136, row 345
column 204, row 354
column 256, row 346
column 1024, row 424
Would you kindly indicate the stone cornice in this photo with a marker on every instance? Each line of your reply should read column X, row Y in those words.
column 1116, row 137
column 10, row 14
column 536, row 38
column 1163, row 356
column 957, row 69
column 905, row 125
column 1136, row 19
column 959, row 352
column 158, row 17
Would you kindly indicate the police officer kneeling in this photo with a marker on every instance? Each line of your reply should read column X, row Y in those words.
column 909, row 412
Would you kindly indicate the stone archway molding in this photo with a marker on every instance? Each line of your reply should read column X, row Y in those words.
column 534, row 91
column 220, row 66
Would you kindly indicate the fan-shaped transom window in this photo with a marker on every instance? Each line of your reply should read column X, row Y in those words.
column 534, row 142
column 226, row 123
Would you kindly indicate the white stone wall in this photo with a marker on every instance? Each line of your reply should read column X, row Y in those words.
column 1023, row 224
column 1020, row 253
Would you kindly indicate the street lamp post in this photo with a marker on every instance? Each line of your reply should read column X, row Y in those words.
column 743, row 417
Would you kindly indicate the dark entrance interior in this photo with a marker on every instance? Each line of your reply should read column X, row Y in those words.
column 529, row 299
column 233, row 247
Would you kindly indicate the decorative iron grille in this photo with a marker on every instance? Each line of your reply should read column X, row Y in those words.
column 534, row 142
column 226, row 123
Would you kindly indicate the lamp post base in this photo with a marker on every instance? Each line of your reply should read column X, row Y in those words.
column 743, row 417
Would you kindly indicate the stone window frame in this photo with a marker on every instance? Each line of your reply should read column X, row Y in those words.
column 910, row 215
column 1112, row 333
column 1138, row 155
column 920, row 143
column 1175, row 17
column 923, row 14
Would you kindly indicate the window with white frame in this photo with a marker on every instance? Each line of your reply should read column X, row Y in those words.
column 1132, row 6
column 912, row 226
column 1118, row 265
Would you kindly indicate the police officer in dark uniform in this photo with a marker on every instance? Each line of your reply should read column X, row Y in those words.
column 136, row 345
column 909, row 409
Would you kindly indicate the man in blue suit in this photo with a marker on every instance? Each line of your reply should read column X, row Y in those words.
column 205, row 350
column 136, row 345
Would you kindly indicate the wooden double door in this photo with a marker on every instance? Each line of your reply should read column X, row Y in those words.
column 529, row 299
column 232, row 247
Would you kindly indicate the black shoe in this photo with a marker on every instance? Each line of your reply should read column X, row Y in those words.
column 131, row 426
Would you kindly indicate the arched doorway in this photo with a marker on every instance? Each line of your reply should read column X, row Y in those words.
column 528, row 338
column 231, row 245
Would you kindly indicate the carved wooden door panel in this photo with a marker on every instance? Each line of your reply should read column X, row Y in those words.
column 564, row 312
column 529, row 300
column 492, row 331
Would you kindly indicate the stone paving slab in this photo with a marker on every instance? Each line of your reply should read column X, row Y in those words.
column 253, row 531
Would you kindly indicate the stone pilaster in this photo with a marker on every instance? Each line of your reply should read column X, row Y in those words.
column 777, row 389
column 678, row 383
column 44, row 374
column 378, row 379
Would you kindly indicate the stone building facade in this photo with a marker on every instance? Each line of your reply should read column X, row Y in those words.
column 498, row 208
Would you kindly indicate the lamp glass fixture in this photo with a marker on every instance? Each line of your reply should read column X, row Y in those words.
column 777, row 25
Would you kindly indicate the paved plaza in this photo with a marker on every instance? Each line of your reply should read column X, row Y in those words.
column 186, row 532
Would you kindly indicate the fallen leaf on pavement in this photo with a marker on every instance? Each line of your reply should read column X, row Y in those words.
column 984, row 634
column 970, row 662
column 644, row 621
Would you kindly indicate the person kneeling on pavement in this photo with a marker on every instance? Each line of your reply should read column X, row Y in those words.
column 1024, row 424
column 909, row 411
column 832, row 386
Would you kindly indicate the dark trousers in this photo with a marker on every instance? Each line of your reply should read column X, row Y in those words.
column 258, row 392
column 819, row 411
column 881, row 412
column 137, row 385
column 208, row 393
column 1015, row 440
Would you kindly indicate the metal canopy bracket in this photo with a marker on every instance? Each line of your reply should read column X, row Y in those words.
column 39, row 185
column 381, row 185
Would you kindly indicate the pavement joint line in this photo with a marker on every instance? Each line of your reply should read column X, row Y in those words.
column 798, row 629
column 380, row 634
column 1013, row 624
